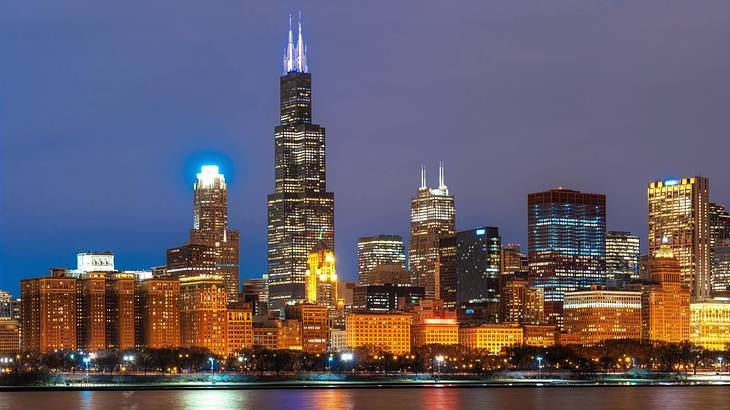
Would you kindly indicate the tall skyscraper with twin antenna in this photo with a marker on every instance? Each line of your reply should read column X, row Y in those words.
column 433, row 217
column 300, row 211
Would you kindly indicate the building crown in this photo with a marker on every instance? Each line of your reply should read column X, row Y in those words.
column 295, row 58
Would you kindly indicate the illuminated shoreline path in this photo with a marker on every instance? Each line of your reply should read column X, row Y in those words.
column 300, row 211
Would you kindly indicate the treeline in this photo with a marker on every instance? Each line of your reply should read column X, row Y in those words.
column 611, row 356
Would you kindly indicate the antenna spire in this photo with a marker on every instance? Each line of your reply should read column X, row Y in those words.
column 442, row 175
column 423, row 176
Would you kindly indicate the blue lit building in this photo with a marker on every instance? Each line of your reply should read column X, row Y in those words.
column 566, row 244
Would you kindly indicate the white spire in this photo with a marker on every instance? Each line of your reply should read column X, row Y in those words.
column 442, row 175
column 295, row 59
column 423, row 176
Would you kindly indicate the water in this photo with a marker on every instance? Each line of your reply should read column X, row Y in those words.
column 614, row 398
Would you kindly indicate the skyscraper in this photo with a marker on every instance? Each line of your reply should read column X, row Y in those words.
column 379, row 250
column 433, row 217
column 300, row 211
column 622, row 254
column 678, row 210
column 212, row 248
column 477, row 265
column 566, row 244
column 719, row 249
column 210, row 227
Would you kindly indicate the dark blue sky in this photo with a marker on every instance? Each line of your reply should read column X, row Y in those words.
column 107, row 108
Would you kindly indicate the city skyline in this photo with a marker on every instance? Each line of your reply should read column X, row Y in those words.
column 99, row 204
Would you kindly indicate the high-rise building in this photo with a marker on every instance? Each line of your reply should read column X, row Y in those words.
column 566, row 244
column 719, row 224
column 9, row 306
column 158, row 307
column 599, row 314
column 512, row 260
column 679, row 210
column 445, row 273
column 433, row 217
column 203, row 302
column 665, row 311
column 721, row 268
column 622, row 255
column 48, row 312
column 379, row 250
column 384, row 298
column 105, row 317
column 255, row 294
column 477, row 265
column 321, row 277
column 300, row 211
column 520, row 303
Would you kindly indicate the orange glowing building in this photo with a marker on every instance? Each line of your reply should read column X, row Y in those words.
column 315, row 325
column 203, row 301
column 239, row 330
column 158, row 307
column 48, row 313
column 433, row 324
column 666, row 303
column 598, row 314
column 494, row 338
column 539, row 335
column 390, row 332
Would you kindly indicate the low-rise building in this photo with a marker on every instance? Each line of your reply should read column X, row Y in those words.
column 710, row 323
column 599, row 314
column 494, row 338
column 539, row 335
column 390, row 332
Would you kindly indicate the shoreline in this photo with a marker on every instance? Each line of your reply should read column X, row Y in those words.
column 372, row 384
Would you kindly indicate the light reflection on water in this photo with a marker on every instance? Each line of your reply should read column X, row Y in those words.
column 615, row 398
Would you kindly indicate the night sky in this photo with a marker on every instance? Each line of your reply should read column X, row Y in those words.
column 108, row 108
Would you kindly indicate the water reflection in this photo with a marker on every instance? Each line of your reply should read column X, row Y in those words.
column 615, row 398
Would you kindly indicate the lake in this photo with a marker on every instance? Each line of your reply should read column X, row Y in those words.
column 432, row 398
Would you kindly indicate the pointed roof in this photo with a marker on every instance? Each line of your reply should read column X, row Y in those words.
column 295, row 57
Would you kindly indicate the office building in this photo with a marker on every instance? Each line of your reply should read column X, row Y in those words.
column 433, row 323
column 477, row 265
column 389, row 332
column 721, row 268
column 622, row 255
column 158, row 313
column 321, row 277
column 301, row 210
column 9, row 306
column 239, row 330
column 679, row 211
column 48, row 312
column 9, row 336
column 384, row 298
column 446, row 272
column 539, row 335
column 512, row 260
column 379, row 250
column 665, row 303
column 494, row 338
column 315, row 325
column 566, row 244
column 599, row 314
column 710, row 323
column 203, row 302
column 433, row 217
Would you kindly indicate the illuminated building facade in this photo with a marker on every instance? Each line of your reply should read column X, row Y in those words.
column 300, row 211
column 94, row 262
column 48, row 312
column 721, row 268
column 598, row 314
column 477, row 265
column 315, row 325
column 278, row 334
column 191, row 260
column 520, row 303
column 379, row 250
column 158, row 312
column 678, row 210
column 203, row 302
column 622, row 255
column 446, row 272
column 433, row 323
column 9, row 306
column 321, row 277
column 710, row 323
column 539, row 335
column 719, row 224
column 512, row 260
column 665, row 303
column 387, row 297
column 9, row 336
column 494, row 338
column 566, row 244
column 390, row 332
column 239, row 330
column 433, row 217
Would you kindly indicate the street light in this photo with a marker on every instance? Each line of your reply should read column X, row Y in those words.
column 539, row 367
column 719, row 359
column 346, row 357
column 212, row 364
column 439, row 360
